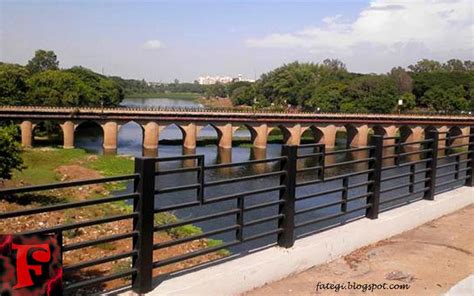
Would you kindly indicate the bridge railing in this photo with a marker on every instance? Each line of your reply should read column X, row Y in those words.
column 188, row 213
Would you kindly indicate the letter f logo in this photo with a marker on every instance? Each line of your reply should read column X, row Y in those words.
column 43, row 254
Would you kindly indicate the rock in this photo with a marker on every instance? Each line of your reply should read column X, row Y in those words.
column 400, row 276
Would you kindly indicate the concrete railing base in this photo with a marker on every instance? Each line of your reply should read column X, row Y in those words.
column 248, row 272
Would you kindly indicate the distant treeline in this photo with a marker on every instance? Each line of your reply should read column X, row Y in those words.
column 426, row 86
column 327, row 87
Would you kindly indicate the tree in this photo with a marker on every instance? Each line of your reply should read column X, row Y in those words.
column 425, row 65
column 409, row 101
column 13, row 86
column 334, row 64
column 10, row 157
column 243, row 95
column 42, row 61
column 454, row 65
column 402, row 79
column 449, row 100
column 373, row 93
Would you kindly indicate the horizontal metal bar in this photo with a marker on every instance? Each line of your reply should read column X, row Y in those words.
column 309, row 155
column 365, row 183
column 406, row 185
column 312, row 195
column 404, row 195
column 250, row 162
column 99, row 280
column 310, row 145
column 455, row 154
column 310, row 182
column 359, row 196
column 348, row 175
column 187, row 256
column 194, row 220
column 414, row 152
column 446, row 165
column 242, row 194
column 457, row 137
column 81, row 224
column 263, row 234
column 263, row 220
column 246, row 178
column 349, row 162
column 264, row 205
column 406, row 164
column 177, row 188
column 194, row 237
column 180, row 157
column 60, row 185
column 107, row 239
column 177, row 206
column 69, row 205
column 318, row 207
column 458, row 145
column 452, row 181
column 396, row 177
column 309, row 169
column 446, row 174
column 349, row 150
column 408, row 143
column 115, row 257
column 176, row 171
column 313, row 221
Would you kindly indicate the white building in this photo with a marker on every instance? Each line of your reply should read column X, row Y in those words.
column 206, row 80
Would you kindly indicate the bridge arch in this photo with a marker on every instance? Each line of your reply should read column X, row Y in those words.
column 130, row 135
column 454, row 132
column 89, row 135
column 47, row 132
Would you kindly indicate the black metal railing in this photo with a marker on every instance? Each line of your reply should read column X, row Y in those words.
column 247, row 205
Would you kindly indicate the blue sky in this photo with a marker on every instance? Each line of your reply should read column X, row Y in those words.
column 163, row 40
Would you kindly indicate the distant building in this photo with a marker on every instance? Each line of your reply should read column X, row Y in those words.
column 206, row 80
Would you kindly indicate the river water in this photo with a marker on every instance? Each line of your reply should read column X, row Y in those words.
column 130, row 141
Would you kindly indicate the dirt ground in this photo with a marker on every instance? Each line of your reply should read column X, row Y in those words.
column 430, row 259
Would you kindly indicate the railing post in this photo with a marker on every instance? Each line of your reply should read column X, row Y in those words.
column 470, row 157
column 143, row 243
column 432, row 164
column 286, row 238
column 375, row 176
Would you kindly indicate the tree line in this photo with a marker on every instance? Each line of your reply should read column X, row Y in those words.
column 328, row 87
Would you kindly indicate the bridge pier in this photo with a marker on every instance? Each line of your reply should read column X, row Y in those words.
column 110, row 135
column 26, row 128
column 329, row 135
column 291, row 134
column 259, row 135
column 357, row 135
column 68, row 134
column 190, row 132
column 224, row 134
column 151, row 132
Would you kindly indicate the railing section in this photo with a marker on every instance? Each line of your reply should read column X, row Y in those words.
column 230, row 208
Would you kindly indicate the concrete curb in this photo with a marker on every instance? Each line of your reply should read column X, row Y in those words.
column 254, row 270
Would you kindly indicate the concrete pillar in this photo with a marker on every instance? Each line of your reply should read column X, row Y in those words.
column 329, row 135
column 257, row 154
column 292, row 134
column 26, row 133
column 442, row 136
column 224, row 134
column 68, row 134
column 190, row 132
column 259, row 135
column 418, row 133
column 151, row 132
column 465, row 132
column 357, row 136
column 110, row 135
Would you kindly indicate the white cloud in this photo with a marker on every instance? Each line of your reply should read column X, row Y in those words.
column 415, row 29
column 152, row 44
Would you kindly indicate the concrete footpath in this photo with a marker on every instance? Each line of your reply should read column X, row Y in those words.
column 427, row 260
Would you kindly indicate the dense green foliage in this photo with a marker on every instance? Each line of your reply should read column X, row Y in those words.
column 427, row 86
column 10, row 152
column 41, row 82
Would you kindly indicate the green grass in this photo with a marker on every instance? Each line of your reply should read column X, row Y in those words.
column 41, row 163
column 111, row 165
column 178, row 96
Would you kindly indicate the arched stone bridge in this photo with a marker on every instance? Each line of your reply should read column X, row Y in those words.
column 323, row 126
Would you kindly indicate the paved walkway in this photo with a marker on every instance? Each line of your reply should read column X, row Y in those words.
column 430, row 259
